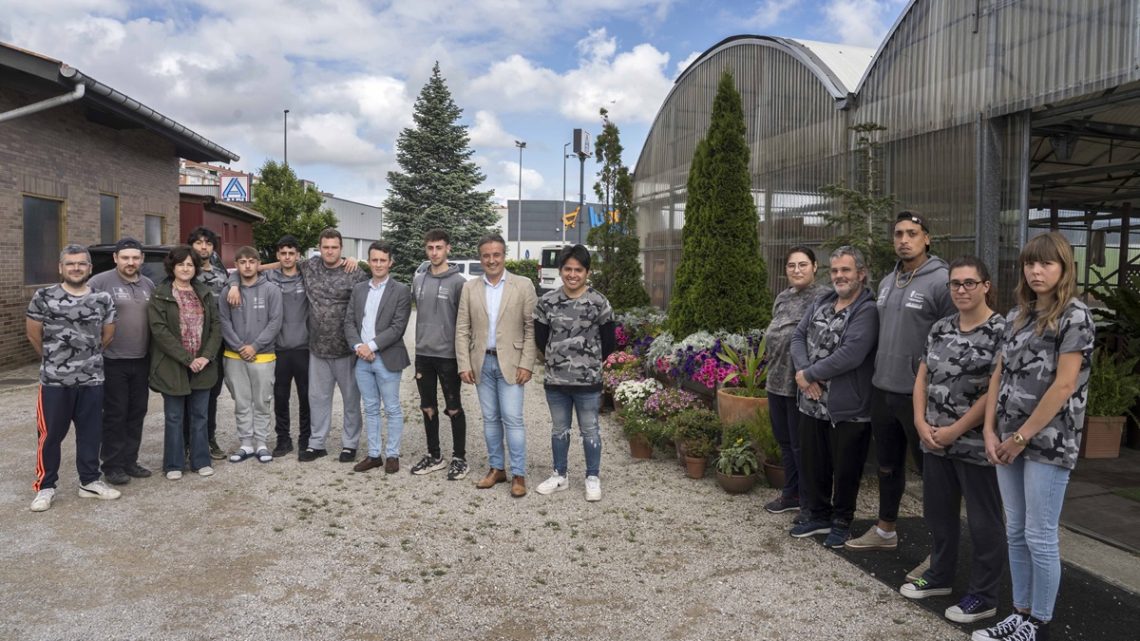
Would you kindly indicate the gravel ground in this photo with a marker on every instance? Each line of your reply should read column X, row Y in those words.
column 314, row 551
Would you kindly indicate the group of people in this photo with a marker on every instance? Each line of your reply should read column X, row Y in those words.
column 990, row 407
column 320, row 324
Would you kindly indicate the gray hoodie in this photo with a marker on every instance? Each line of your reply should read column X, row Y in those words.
column 257, row 321
column 437, row 305
column 906, row 315
column 294, row 332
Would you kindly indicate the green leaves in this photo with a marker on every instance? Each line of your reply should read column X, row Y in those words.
column 289, row 208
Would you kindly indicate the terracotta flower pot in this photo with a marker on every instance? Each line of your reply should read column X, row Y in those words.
column 695, row 467
column 735, row 483
column 774, row 474
column 680, row 454
column 737, row 409
column 639, row 447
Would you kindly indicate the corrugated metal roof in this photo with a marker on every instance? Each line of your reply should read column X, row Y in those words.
column 847, row 62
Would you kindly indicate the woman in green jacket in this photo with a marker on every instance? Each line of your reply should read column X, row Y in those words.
column 185, row 336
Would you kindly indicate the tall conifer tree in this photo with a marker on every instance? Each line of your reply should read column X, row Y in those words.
column 618, row 272
column 722, row 281
column 438, row 184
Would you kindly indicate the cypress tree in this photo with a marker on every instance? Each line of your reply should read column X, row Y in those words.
column 722, row 281
column 617, row 273
column 438, row 186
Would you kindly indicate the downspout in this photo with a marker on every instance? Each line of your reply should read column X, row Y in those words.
column 42, row 105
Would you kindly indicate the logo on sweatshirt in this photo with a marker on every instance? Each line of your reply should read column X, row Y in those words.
column 915, row 300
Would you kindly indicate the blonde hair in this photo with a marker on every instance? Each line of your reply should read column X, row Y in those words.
column 1047, row 247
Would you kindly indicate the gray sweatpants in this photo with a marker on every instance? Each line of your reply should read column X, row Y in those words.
column 251, row 386
column 324, row 373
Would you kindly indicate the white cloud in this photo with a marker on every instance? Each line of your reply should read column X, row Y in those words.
column 682, row 65
column 488, row 132
column 861, row 22
column 768, row 13
column 331, row 138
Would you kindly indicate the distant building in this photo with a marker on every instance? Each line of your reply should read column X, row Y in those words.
column 359, row 224
column 80, row 162
column 232, row 221
column 542, row 225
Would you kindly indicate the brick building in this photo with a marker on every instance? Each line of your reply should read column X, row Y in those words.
column 79, row 163
column 231, row 221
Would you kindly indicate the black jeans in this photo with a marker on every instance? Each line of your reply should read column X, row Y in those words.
column 832, row 458
column 945, row 482
column 892, row 421
column 125, row 395
column 785, row 427
column 429, row 369
column 292, row 366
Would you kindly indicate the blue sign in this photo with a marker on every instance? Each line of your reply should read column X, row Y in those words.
column 235, row 190
column 595, row 218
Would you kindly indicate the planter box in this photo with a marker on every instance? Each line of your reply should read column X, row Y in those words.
column 1102, row 437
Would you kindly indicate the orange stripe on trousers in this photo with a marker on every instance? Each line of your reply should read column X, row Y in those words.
column 41, row 429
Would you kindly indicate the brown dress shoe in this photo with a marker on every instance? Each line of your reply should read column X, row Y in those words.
column 493, row 476
column 367, row 464
column 518, row 487
column 392, row 465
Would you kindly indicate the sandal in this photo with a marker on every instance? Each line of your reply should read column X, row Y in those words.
column 263, row 455
column 240, row 455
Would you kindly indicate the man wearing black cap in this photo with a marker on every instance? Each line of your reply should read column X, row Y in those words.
column 911, row 299
column 125, row 363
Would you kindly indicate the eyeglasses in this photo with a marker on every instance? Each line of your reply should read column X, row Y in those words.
column 798, row 266
column 968, row 285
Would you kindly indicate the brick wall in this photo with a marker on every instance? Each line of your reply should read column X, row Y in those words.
column 59, row 154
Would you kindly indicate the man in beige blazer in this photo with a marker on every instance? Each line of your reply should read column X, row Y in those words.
column 495, row 351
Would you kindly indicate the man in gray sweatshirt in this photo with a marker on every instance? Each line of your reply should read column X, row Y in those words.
column 292, row 365
column 911, row 299
column 437, row 305
column 250, row 333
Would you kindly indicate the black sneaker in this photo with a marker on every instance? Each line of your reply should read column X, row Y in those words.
column 427, row 465
column 310, row 454
column 283, row 447
column 457, row 470
column 1003, row 630
column 811, row 527
column 347, row 455
column 920, row 588
column 838, row 535
column 137, row 471
column 116, row 477
column 216, row 452
column 782, row 504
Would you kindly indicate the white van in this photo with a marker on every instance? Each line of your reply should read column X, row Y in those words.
column 468, row 268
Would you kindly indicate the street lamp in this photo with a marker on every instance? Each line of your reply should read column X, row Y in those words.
column 285, row 131
column 518, row 241
column 564, row 157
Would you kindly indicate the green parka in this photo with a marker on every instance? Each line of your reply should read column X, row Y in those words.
column 169, row 361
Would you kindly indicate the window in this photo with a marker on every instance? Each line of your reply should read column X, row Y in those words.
column 155, row 231
column 108, row 218
column 43, row 224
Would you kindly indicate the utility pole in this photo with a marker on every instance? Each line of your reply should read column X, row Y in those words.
column 518, row 241
column 285, row 131
column 582, row 149
column 564, row 157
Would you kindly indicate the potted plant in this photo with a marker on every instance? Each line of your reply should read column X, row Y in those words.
column 742, row 388
column 633, row 393
column 760, row 427
column 638, row 428
column 736, row 467
column 695, row 431
column 618, row 368
column 1114, row 388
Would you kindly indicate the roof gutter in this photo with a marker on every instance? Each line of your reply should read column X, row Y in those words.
column 146, row 112
column 43, row 105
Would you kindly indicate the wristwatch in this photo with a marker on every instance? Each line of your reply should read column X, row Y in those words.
column 1019, row 439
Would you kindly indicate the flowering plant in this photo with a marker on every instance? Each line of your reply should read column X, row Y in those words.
column 748, row 369
column 633, row 393
column 617, row 359
column 618, row 368
column 668, row 401
column 698, row 356
column 737, row 458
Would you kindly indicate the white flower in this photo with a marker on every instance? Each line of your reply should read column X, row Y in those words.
column 634, row 393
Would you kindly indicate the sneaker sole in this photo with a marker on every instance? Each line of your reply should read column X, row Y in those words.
column 781, row 510
column 429, row 470
column 970, row 618
column 804, row 535
column 929, row 592
column 833, row 546
column 87, row 494
column 593, row 498
column 457, row 477
column 863, row 547
column 44, row 507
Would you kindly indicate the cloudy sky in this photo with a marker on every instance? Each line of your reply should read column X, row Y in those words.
column 349, row 70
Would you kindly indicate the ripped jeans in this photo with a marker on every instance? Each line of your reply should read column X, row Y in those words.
column 562, row 400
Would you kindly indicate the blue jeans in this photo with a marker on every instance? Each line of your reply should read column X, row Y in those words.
column 380, row 386
column 1033, row 493
column 586, row 404
column 786, row 429
column 195, row 405
column 502, row 405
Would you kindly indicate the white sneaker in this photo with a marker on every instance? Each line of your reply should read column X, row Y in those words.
column 593, row 488
column 43, row 499
column 206, row 471
column 98, row 490
column 555, row 483
column 174, row 475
